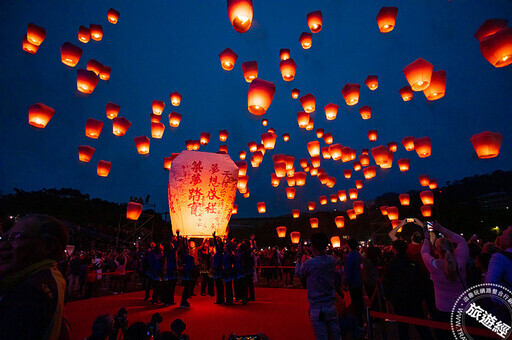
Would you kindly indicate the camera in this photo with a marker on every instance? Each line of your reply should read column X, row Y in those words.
column 153, row 329
column 430, row 226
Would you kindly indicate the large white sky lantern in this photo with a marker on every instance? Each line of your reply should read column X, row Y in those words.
column 202, row 190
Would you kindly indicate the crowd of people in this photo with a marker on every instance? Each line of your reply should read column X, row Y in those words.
column 419, row 275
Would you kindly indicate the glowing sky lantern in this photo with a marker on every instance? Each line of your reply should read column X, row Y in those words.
column 392, row 146
column 288, row 68
column 142, row 144
column 303, row 119
column 432, row 184
column 86, row 81
column 405, row 199
column 359, row 184
column 269, row 140
column 370, row 172
column 258, row 156
column 489, row 27
column 497, row 48
column 35, row 34
column 290, row 180
column 28, row 47
column 85, row 153
column 351, row 214
column 306, row 40
column 427, row 197
column 300, row 178
column 395, row 224
column 426, row 210
column 372, row 82
column 487, row 144
column 295, row 237
column 325, row 153
column 259, row 98
column 347, row 173
column 350, row 93
column 382, row 156
column 112, row 110
column 84, row 34
column 328, row 139
column 262, row 208
column 315, row 161
column 290, row 193
column 158, row 107
column 366, row 112
column 133, row 211
column 284, row 54
column 335, row 151
column 303, row 162
column 333, row 198
column 335, row 241
column 39, row 115
column 314, row 148
column 406, row 93
column 323, row 177
column 352, row 194
column 228, row 59
column 223, row 135
column 372, row 135
column 384, row 210
column 168, row 161
column 419, row 74
column 308, row 102
column 311, row 124
column 157, row 130
column 386, row 19
column 313, row 222
column 424, row 180
column 242, row 155
column 240, row 14
column 357, row 165
column 295, row 93
column 392, row 213
column 315, row 21
column 408, row 143
column 340, row 221
column 403, row 164
column 264, row 122
column 311, row 206
column 93, row 128
column 331, row 110
column 274, row 180
column 281, row 231
column 120, row 125
column 253, row 146
column 174, row 119
column 95, row 66
column 286, row 137
column 437, row 86
column 280, row 169
column 242, row 168
column 234, row 211
column 222, row 148
column 323, row 200
column 358, row 207
column 247, row 194
column 364, row 160
column 250, row 70
column 204, row 138
column 105, row 73
column 423, row 147
column 342, row 195
column 70, row 54
column 103, row 168
column 241, row 184
column 202, row 190
column 96, row 32
column 154, row 118
column 175, row 98
column 113, row 16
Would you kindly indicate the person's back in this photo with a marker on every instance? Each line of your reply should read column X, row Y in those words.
column 500, row 264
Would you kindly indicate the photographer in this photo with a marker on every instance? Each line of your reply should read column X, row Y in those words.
column 153, row 326
column 319, row 273
column 120, row 324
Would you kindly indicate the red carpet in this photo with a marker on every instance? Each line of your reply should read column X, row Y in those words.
column 279, row 313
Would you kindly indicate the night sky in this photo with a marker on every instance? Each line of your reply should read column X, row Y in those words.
column 159, row 47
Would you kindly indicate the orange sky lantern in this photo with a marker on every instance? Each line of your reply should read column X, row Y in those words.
column 250, row 70
column 313, row 222
column 408, row 143
column 342, row 195
column 340, row 221
column 259, row 98
column 39, row 115
column 242, row 168
column 424, row 180
column 347, row 173
column 113, row 16
column 70, row 54
column 315, row 161
column 303, row 163
column 386, row 19
column 197, row 145
column 487, row 144
column 234, row 211
column 359, row 184
column 189, row 144
column 228, row 59
column 284, row 54
column 262, row 208
column 280, row 169
column 242, row 182
column 286, row 137
column 382, row 156
column 346, row 154
column 133, row 211
column 247, row 194
column 406, row 93
column 222, row 148
column 405, row 199
column 497, row 48
column 204, row 138
column 290, row 180
column 333, row 198
column 372, row 82
column 295, row 213
column 289, row 160
column 372, row 135
column 242, row 155
column 174, row 119
column 311, row 206
column 352, row 194
column 168, row 161
column 328, row 139
column 370, row 172
column 319, row 133
column 288, row 68
column 103, row 168
column 95, row 66
column 335, row 151
column 323, row 177
column 35, row 34
column 269, row 140
column 281, row 231
column 85, row 153
column 105, row 73
column 432, row 184
column 315, row 21
column 392, row 146
column 403, row 164
column 311, row 124
column 86, row 81
column 358, row 207
column 155, row 118
column 489, row 27
column 28, row 47
column 350, row 93
column 290, row 193
column 423, row 147
column 157, row 130
column 395, row 224
column 258, row 156
column 175, row 98
column 306, row 40
column 437, row 86
column 331, row 110
column 427, row 197
column 426, row 210
column 314, row 148
column 93, row 128
column 351, row 214
column 325, row 153
column 419, row 74
column 384, row 210
column 356, row 165
column 335, row 241
column 392, row 213
column 300, row 178
column 112, row 110
column 295, row 237
column 142, row 144
column 158, row 107
column 253, row 146
column 120, row 125
column 308, row 102
column 84, row 34
column 96, row 32
column 364, row 160
column 323, row 200
column 295, row 93
column 240, row 14
column 366, row 112
column 223, row 135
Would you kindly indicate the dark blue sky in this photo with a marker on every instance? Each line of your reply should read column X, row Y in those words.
column 159, row 47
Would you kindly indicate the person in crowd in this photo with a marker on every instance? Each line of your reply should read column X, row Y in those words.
column 218, row 270
column 188, row 273
column 177, row 328
column 239, row 278
column 370, row 273
column 500, row 264
column 146, row 269
column 319, row 273
column 404, row 285
column 194, row 252
column 228, row 271
column 353, row 281
column 32, row 289
column 74, row 274
column 156, row 268
column 102, row 327
column 171, row 272
column 204, row 255
column 120, row 273
column 137, row 331
column 248, row 272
